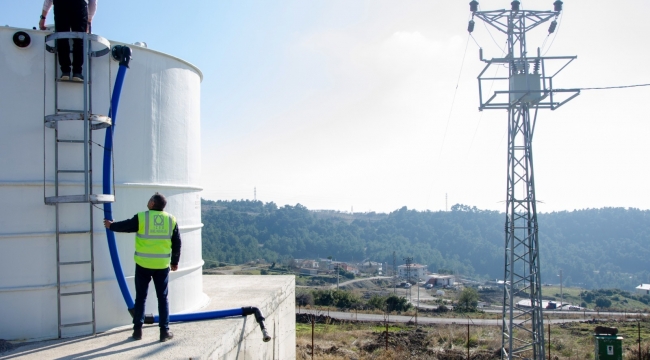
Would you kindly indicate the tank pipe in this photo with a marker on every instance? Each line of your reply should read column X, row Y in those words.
column 124, row 54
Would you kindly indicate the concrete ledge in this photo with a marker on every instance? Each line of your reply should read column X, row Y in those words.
column 231, row 338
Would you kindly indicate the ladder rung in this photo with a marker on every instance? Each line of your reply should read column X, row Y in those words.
column 71, row 141
column 91, row 198
column 97, row 121
column 71, row 81
column 75, row 262
column 74, row 232
column 77, row 293
column 72, row 171
column 76, row 324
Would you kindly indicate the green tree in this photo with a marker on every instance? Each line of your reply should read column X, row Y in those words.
column 323, row 298
column 377, row 302
column 602, row 302
column 468, row 299
column 397, row 303
column 346, row 299
column 465, row 240
column 339, row 298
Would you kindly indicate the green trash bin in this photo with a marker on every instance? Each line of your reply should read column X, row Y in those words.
column 608, row 347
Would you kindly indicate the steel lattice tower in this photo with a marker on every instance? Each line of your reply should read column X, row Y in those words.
column 529, row 87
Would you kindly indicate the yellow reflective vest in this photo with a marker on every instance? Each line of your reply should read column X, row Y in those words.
column 153, row 241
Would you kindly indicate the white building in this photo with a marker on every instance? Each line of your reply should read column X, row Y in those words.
column 441, row 280
column 417, row 271
column 644, row 289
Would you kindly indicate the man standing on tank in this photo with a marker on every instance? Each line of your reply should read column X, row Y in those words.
column 70, row 15
column 157, row 249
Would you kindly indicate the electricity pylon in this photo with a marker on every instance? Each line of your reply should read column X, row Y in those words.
column 529, row 86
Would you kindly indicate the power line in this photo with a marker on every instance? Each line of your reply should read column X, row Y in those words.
column 614, row 87
column 453, row 100
column 488, row 31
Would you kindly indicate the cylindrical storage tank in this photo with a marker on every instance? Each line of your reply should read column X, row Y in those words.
column 156, row 149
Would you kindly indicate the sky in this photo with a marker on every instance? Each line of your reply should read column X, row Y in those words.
column 372, row 105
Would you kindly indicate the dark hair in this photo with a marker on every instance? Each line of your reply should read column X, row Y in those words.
column 159, row 201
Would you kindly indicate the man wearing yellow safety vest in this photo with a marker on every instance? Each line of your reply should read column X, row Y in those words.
column 157, row 249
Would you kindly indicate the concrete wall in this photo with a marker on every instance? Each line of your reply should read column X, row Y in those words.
column 241, row 338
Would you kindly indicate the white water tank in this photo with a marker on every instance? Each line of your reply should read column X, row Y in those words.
column 156, row 149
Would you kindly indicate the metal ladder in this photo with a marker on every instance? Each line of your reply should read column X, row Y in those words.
column 62, row 203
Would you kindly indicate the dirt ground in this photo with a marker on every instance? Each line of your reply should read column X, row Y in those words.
column 334, row 339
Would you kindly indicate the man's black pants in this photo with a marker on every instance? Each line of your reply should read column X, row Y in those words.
column 70, row 15
column 160, row 280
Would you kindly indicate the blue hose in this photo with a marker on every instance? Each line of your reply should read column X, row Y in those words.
column 106, row 187
column 203, row 315
column 125, row 55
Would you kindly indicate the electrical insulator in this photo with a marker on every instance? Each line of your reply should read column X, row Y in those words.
column 473, row 6
column 470, row 26
column 515, row 5
column 558, row 6
column 552, row 27
column 514, row 67
column 536, row 66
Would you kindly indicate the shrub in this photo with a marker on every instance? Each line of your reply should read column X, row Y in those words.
column 442, row 309
column 602, row 302
column 339, row 298
column 304, row 299
column 397, row 303
column 377, row 302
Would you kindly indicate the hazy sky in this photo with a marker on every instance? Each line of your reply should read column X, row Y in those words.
column 341, row 104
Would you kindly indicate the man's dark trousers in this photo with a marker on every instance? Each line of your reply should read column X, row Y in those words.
column 70, row 15
column 160, row 279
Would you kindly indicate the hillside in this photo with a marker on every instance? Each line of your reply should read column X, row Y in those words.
column 595, row 248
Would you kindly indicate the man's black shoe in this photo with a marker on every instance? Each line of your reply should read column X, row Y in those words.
column 137, row 334
column 166, row 335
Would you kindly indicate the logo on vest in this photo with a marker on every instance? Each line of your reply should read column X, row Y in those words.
column 158, row 221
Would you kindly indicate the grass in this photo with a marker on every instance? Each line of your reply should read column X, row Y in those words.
column 367, row 341
column 571, row 295
column 247, row 272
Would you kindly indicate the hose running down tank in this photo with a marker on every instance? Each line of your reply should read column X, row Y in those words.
column 123, row 53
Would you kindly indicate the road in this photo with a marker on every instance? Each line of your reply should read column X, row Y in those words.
column 426, row 296
column 421, row 320
column 586, row 314
column 359, row 279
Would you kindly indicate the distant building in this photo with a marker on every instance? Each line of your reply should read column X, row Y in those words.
column 417, row 271
column 441, row 280
column 643, row 288
column 311, row 264
column 324, row 264
column 370, row 267
column 337, row 264
column 349, row 268
column 307, row 271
